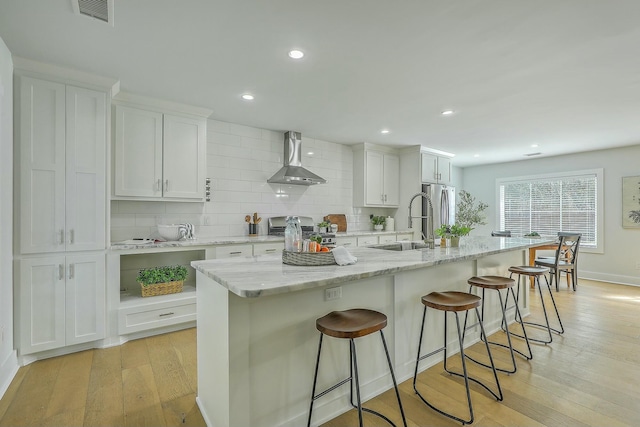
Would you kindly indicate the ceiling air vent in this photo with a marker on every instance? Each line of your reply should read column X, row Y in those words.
column 98, row 9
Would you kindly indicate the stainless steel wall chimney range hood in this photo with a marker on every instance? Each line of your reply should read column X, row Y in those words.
column 292, row 172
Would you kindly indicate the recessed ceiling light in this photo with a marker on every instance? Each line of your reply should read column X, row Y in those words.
column 447, row 112
column 247, row 97
column 296, row 54
column 310, row 153
column 534, row 145
column 385, row 131
column 476, row 155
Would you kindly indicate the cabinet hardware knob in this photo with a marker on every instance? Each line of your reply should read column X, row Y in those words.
column 166, row 314
column 61, row 235
column 60, row 272
column 71, row 236
column 71, row 271
column 158, row 185
column 235, row 253
column 270, row 250
column 166, row 185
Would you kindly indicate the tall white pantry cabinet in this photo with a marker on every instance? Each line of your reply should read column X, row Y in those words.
column 60, row 181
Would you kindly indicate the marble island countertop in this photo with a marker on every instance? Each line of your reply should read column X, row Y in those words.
column 265, row 275
column 131, row 245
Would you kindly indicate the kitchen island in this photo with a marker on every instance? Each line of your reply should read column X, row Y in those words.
column 257, row 339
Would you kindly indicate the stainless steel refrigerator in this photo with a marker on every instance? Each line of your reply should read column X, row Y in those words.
column 443, row 199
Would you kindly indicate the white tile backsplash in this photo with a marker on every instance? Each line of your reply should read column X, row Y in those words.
column 240, row 159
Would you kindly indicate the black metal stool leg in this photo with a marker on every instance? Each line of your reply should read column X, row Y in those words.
column 315, row 379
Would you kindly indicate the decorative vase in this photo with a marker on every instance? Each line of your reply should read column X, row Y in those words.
column 443, row 242
column 378, row 227
column 455, row 241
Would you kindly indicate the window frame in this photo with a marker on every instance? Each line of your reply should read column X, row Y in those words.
column 599, row 174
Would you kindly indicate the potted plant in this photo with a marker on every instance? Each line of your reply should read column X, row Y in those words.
column 468, row 212
column 532, row 235
column 322, row 226
column 162, row 280
column 378, row 222
column 458, row 230
column 444, row 231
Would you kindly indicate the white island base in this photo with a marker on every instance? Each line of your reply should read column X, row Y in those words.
column 256, row 355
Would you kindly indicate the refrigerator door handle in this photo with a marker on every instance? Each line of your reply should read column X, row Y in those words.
column 444, row 206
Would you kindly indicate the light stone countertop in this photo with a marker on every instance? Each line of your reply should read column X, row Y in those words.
column 211, row 241
column 264, row 275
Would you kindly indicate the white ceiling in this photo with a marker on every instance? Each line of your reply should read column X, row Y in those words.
column 561, row 74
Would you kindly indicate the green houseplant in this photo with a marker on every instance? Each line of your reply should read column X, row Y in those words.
column 458, row 230
column 469, row 212
column 378, row 221
column 162, row 280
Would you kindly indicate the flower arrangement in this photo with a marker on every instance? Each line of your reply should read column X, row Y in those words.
column 443, row 231
column 459, row 230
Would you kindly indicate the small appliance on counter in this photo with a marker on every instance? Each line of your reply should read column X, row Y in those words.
column 277, row 225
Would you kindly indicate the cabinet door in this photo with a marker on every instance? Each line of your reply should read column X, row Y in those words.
column 429, row 168
column 42, row 166
column 391, row 180
column 444, row 170
column 233, row 251
column 42, row 304
column 374, row 165
column 85, row 169
column 347, row 241
column 138, row 152
column 85, row 298
column 184, row 157
column 267, row 248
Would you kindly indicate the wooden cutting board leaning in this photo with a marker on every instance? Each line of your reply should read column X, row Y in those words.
column 340, row 219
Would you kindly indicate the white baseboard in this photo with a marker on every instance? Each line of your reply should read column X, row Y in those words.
column 8, row 371
column 612, row 278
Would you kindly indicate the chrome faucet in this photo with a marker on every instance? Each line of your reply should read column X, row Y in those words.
column 429, row 239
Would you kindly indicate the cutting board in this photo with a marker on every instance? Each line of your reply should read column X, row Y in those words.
column 339, row 219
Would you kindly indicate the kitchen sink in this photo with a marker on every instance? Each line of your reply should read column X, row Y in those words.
column 401, row 246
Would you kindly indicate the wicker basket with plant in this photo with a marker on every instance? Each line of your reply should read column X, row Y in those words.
column 162, row 280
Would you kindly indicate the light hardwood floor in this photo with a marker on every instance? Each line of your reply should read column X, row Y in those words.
column 590, row 376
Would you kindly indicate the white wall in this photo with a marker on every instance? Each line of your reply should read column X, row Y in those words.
column 621, row 245
column 240, row 159
column 8, row 361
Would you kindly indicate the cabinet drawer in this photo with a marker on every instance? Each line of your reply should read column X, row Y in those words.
column 267, row 248
column 230, row 251
column 406, row 236
column 367, row 240
column 387, row 238
column 346, row 241
column 153, row 316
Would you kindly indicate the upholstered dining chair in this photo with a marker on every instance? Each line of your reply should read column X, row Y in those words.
column 566, row 259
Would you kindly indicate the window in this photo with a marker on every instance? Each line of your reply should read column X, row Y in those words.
column 548, row 204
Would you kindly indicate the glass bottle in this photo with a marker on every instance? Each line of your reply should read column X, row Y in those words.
column 290, row 235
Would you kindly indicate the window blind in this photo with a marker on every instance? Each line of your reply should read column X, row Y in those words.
column 549, row 205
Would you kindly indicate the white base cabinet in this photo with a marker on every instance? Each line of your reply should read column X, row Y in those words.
column 61, row 301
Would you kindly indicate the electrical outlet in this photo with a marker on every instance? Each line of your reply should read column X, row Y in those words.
column 333, row 293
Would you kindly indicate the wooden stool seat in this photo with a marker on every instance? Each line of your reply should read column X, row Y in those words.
column 491, row 282
column 529, row 270
column 451, row 301
column 353, row 323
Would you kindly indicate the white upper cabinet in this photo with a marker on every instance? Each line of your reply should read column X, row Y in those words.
column 159, row 155
column 376, row 177
column 436, row 169
column 62, row 168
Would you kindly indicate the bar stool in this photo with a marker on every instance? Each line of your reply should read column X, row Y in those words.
column 536, row 272
column 351, row 324
column 496, row 283
column 452, row 301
